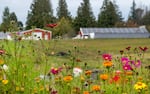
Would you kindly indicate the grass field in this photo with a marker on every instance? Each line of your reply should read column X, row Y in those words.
column 27, row 60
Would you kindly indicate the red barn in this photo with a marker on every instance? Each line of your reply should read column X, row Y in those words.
column 37, row 34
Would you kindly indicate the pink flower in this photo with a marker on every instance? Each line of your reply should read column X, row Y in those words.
column 127, row 67
column 107, row 57
column 124, row 60
column 2, row 52
column 136, row 63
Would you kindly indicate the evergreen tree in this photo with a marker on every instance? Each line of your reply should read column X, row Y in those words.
column 85, row 17
column 146, row 18
column 109, row 14
column 132, row 14
column 62, row 10
column 10, row 21
column 5, row 20
column 41, row 14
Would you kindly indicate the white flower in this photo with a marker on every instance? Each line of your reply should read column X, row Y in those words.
column 5, row 67
column 77, row 71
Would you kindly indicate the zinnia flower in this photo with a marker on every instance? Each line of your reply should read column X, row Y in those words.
column 107, row 64
column 77, row 71
column 136, row 63
column 127, row 67
column 68, row 78
column 104, row 77
column 1, row 62
column 143, row 49
column 55, row 71
column 96, row 88
column 128, row 48
column 124, row 60
column 140, row 86
column 5, row 82
column 88, row 72
column 86, row 92
column 107, row 57
column 2, row 52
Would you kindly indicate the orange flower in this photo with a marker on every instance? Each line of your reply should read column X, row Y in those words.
column 104, row 76
column 88, row 72
column 68, row 78
column 86, row 92
column 96, row 88
column 129, row 73
column 107, row 63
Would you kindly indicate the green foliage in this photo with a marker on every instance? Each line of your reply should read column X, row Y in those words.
column 85, row 17
column 63, row 28
column 109, row 14
column 62, row 10
column 41, row 14
column 10, row 22
column 146, row 18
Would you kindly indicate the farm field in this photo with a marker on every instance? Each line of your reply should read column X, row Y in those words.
column 100, row 66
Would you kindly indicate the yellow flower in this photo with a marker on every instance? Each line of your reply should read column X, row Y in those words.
column 1, row 62
column 41, row 88
column 96, row 88
column 4, row 82
column 140, row 86
column 22, row 89
column 68, row 78
column 17, row 88
column 104, row 76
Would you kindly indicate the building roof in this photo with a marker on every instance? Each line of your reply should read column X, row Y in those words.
column 35, row 29
column 139, row 30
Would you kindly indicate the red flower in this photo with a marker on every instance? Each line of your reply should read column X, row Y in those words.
column 116, row 78
column 143, row 49
column 128, row 48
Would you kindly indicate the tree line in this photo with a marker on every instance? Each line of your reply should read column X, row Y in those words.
column 41, row 14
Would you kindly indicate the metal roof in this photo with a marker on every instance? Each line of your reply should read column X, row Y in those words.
column 87, row 31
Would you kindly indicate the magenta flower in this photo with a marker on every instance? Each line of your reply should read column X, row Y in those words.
column 124, row 60
column 137, row 63
column 107, row 57
column 127, row 67
column 55, row 71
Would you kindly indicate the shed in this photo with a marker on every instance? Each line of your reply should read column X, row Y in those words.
column 136, row 32
column 37, row 34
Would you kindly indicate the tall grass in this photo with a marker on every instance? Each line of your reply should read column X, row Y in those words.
column 30, row 64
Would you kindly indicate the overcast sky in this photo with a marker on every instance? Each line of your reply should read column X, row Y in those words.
column 21, row 7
